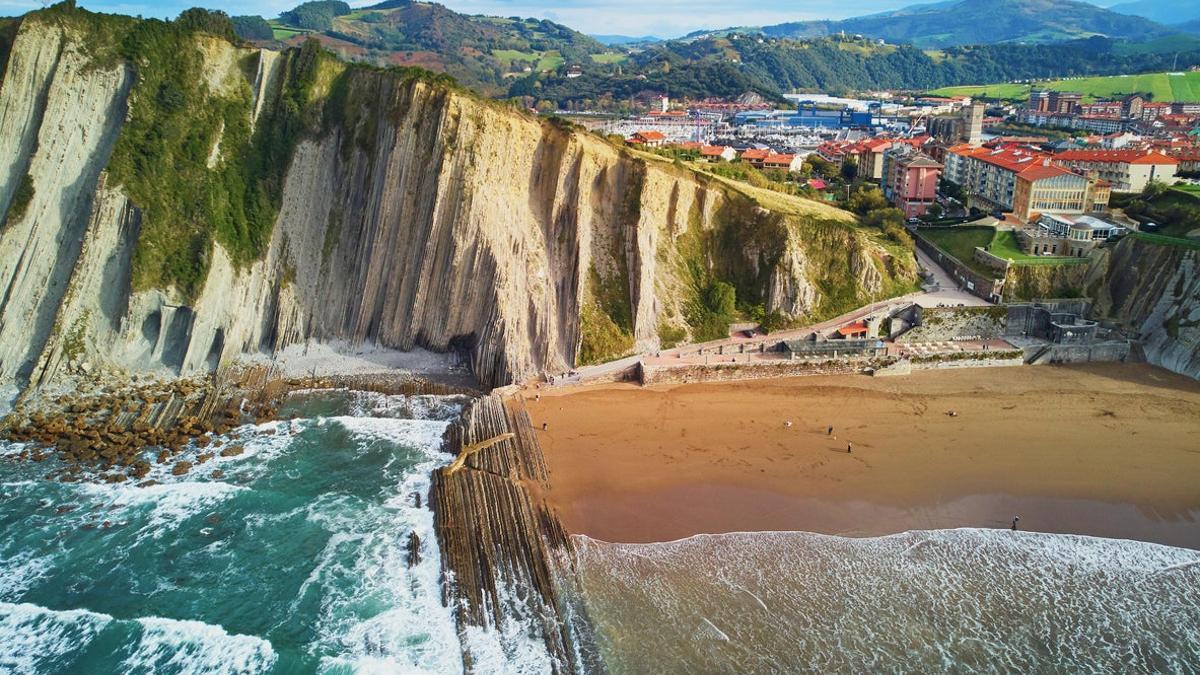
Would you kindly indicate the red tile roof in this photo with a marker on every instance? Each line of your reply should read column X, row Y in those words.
column 712, row 150
column 1115, row 156
column 650, row 135
column 753, row 153
column 856, row 328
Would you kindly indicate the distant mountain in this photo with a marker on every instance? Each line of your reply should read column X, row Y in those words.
column 1168, row 12
column 482, row 52
column 1192, row 27
column 965, row 22
column 625, row 40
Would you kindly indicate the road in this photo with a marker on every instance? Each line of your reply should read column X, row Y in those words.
column 941, row 291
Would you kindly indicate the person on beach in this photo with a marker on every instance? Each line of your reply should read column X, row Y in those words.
column 829, row 431
column 543, row 426
column 1014, row 524
column 849, row 448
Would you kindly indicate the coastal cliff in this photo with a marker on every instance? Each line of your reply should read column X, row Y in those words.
column 1155, row 290
column 173, row 201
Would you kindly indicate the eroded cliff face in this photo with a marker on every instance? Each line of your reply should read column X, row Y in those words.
column 411, row 214
column 1154, row 289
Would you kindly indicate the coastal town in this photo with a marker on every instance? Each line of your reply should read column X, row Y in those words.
column 986, row 210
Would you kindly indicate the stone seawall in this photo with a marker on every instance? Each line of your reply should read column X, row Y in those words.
column 726, row 372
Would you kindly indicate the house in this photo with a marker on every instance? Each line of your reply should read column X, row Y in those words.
column 574, row 71
column 783, row 162
column 856, row 330
column 910, row 180
column 1126, row 170
column 755, row 157
column 650, row 139
column 714, row 153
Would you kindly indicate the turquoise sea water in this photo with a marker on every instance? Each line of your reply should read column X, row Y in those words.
column 295, row 561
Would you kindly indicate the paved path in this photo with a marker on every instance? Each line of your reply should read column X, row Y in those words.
column 941, row 292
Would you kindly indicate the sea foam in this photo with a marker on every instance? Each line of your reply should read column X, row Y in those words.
column 934, row 601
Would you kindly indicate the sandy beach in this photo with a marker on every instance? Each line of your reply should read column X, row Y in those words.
column 1108, row 450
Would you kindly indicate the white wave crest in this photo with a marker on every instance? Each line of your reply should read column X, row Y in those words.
column 33, row 637
column 196, row 647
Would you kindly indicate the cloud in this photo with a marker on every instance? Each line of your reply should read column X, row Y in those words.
column 665, row 18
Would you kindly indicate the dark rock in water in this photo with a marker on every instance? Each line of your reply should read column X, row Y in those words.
column 181, row 468
column 218, row 474
column 204, row 458
column 148, row 483
column 163, row 456
column 414, row 549
column 417, row 499
column 213, row 519
column 232, row 451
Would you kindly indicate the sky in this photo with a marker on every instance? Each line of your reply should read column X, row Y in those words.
column 663, row 18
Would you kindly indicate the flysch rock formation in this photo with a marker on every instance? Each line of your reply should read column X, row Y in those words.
column 422, row 216
column 1155, row 290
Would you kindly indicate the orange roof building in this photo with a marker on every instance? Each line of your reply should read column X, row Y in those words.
column 1127, row 170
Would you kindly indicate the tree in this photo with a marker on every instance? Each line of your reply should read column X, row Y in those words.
column 849, row 168
column 199, row 20
column 865, row 200
column 252, row 28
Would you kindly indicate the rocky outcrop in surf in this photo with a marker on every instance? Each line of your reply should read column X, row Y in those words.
column 173, row 201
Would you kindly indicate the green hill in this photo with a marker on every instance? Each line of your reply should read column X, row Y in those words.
column 483, row 52
column 964, row 22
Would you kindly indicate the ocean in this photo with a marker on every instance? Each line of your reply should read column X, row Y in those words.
column 939, row 601
column 295, row 560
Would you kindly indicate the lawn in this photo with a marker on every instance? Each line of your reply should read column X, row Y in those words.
column 994, row 91
column 962, row 241
column 1168, row 87
column 548, row 60
column 610, row 57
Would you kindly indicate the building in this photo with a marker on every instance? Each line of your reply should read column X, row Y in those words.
column 1125, row 170
column 714, row 153
column 965, row 127
column 1064, row 102
column 910, row 180
column 1066, row 236
column 1044, row 188
column 824, row 349
column 1131, row 106
column 649, row 139
column 755, row 157
column 777, row 162
column 1022, row 181
column 870, row 157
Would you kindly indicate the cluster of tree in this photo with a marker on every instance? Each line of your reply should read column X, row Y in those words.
column 252, row 28
column 315, row 15
column 213, row 22
column 877, row 212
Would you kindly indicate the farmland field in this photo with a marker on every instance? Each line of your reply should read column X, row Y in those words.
column 1005, row 91
column 1181, row 87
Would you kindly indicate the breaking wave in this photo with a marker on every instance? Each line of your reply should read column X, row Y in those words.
column 966, row 600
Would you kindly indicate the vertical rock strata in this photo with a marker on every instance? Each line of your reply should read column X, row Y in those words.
column 500, row 542
column 411, row 214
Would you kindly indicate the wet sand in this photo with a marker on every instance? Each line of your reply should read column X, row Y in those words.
column 1109, row 450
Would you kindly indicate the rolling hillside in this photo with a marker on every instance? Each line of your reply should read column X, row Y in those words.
column 482, row 52
column 966, row 22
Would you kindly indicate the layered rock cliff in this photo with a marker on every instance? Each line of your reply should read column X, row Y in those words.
column 1155, row 290
column 172, row 201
